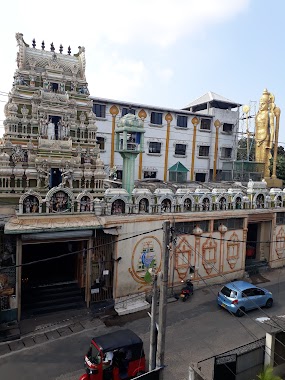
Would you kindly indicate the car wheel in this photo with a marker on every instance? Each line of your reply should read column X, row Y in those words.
column 240, row 312
column 269, row 303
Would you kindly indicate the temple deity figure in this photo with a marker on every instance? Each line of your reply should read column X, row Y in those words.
column 67, row 176
column 43, row 127
column 62, row 88
column 264, row 130
column 61, row 130
column 46, row 85
column 43, row 175
column 50, row 130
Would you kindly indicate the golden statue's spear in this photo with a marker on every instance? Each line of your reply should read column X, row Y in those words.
column 277, row 113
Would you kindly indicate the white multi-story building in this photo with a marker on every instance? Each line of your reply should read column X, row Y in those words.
column 200, row 136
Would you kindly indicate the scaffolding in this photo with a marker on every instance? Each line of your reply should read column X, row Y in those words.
column 243, row 171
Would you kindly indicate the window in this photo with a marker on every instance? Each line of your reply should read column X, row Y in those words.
column 94, row 355
column 128, row 110
column 228, row 128
column 248, row 293
column 228, row 292
column 120, row 174
column 99, row 110
column 149, row 174
column 204, row 151
column 101, row 142
column 182, row 121
column 156, row 118
column 154, row 147
column 231, row 224
column 226, row 153
column 180, row 149
column 259, row 292
column 183, row 228
column 205, row 124
column 280, row 218
column 200, row 177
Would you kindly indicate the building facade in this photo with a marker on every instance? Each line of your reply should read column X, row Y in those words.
column 202, row 136
column 64, row 222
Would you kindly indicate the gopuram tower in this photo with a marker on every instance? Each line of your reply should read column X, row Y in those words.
column 49, row 132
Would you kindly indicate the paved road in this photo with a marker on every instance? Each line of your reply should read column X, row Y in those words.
column 196, row 329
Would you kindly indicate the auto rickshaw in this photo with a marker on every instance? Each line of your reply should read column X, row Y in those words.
column 127, row 357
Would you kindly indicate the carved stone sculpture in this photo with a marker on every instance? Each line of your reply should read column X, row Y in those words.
column 43, row 175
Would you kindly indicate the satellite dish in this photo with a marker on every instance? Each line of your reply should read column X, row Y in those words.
column 245, row 108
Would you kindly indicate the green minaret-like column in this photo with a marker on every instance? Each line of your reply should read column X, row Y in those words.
column 129, row 142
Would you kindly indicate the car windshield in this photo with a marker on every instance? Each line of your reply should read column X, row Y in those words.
column 228, row 292
column 94, row 355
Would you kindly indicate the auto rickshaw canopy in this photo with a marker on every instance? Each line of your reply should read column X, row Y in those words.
column 118, row 339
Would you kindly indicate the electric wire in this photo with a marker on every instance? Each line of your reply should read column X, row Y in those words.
column 80, row 251
column 245, row 313
column 226, row 280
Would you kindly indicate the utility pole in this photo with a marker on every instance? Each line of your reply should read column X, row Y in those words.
column 163, row 299
column 153, row 332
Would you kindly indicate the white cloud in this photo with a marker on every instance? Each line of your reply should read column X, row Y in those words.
column 152, row 22
column 117, row 78
column 122, row 38
column 165, row 74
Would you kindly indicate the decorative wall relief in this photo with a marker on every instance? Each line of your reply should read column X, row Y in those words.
column 118, row 207
column 146, row 250
column 30, row 204
column 143, row 205
column 187, row 205
column 209, row 253
column 166, row 205
column 280, row 243
column 85, row 203
column 233, row 247
column 184, row 256
column 60, row 202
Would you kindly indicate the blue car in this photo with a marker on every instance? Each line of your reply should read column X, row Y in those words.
column 240, row 296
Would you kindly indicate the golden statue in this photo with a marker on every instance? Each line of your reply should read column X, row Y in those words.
column 266, row 132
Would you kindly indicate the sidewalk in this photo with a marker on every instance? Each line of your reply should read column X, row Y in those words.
column 32, row 331
column 41, row 329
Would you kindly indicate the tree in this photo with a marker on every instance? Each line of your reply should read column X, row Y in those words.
column 280, row 164
column 242, row 149
column 267, row 374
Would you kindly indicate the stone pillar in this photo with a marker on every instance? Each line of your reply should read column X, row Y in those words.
column 114, row 112
column 142, row 115
column 217, row 125
column 195, row 122
column 168, row 119
column 269, row 350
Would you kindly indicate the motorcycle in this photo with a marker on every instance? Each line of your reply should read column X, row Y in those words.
column 186, row 291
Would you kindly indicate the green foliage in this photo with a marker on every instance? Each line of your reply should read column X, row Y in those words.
column 267, row 374
column 242, row 149
column 280, row 164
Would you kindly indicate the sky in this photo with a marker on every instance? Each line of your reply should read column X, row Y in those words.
column 159, row 52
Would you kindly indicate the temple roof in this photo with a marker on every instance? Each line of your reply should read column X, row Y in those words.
column 38, row 60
